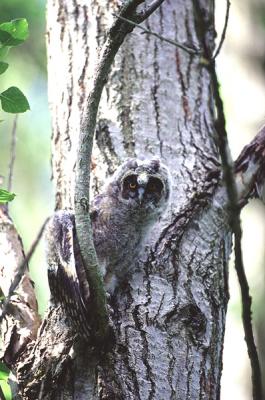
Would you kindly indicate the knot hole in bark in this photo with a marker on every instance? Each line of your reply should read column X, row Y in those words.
column 189, row 317
column 194, row 320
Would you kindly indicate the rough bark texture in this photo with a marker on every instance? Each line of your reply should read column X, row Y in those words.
column 21, row 322
column 169, row 319
column 22, row 327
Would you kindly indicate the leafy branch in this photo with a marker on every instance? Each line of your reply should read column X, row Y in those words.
column 6, row 196
column 12, row 34
column 12, row 100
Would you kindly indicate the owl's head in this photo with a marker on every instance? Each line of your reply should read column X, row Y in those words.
column 143, row 185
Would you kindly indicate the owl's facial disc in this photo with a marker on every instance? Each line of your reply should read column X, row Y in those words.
column 142, row 188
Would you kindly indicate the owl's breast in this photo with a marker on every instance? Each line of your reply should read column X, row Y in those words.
column 115, row 237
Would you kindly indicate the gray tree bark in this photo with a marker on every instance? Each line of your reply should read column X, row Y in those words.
column 169, row 318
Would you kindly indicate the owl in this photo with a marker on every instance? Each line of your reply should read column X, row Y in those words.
column 131, row 201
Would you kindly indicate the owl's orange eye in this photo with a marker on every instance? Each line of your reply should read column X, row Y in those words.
column 129, row 186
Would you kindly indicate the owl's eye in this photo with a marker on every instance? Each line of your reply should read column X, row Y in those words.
column 131, row 182
column 129, row 187
column 132, row 185
column 151, row 187
column 154, row 186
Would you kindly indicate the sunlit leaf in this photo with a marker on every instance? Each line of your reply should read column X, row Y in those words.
column 5, row 197
column 14, row 101
column 3, row 375
column 14, row 32
column 3, row 67
column 6, row 390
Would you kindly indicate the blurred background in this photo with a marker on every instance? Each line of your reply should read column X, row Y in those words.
column 241, row 71
column 32, row 171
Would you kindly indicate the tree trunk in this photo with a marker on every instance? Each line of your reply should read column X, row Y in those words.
column 169, row 319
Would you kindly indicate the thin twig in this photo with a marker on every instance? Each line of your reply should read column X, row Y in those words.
column 236, row 228
column 228, row 4
column 12, row 153
column 21, row 270
column 234, row 216
column 147, row 31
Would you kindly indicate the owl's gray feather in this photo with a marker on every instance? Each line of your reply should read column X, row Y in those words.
column 120, row 219
column 131, row 201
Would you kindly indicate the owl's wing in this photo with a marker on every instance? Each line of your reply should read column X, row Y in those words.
column 65, row 271
column 95, row 208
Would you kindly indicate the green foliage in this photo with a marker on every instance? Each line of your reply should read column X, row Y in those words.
column 28, row 71
column 3, row 51
column 14, row 101
column 6, row 196
column 4, row 374
column 12, row 34
column 3, row 67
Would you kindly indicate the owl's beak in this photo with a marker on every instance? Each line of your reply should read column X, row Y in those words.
column 141, row 191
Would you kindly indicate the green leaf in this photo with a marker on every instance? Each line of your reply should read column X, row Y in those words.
column 4, row 51
column 4, row 375
column 4, row 369
column 14, row 101
column 6, row 390
column 14, row 32
column 6, row 196
column 3, row 67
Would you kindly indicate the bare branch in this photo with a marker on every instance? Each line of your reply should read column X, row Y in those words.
column 234, row 211
column 234, row 217
column 189, row 50
column 21, row 271
column 12, row 153
column 228, row 4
